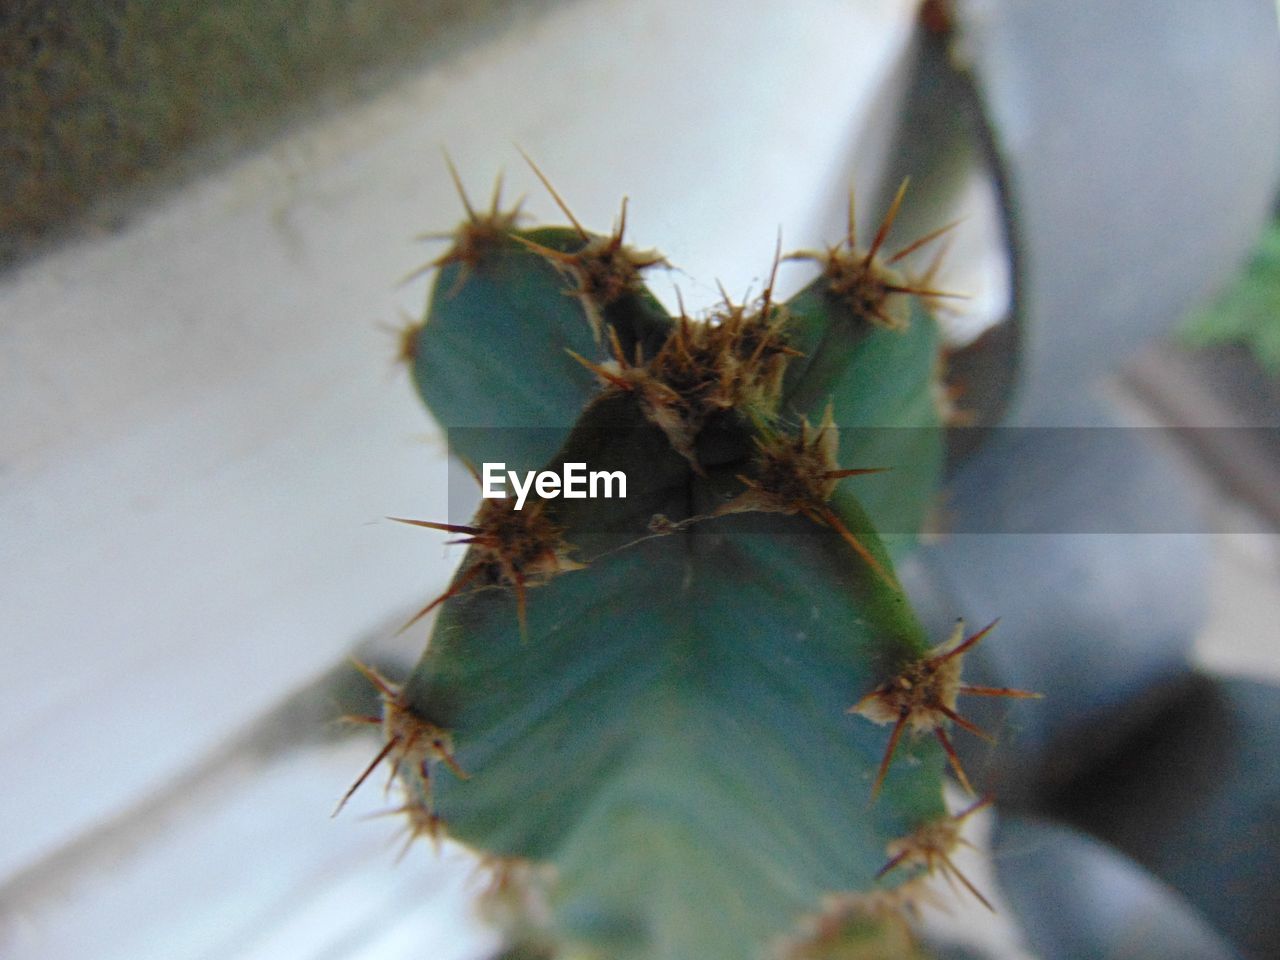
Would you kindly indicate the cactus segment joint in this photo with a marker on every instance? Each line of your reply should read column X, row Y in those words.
column 930, row 846
column 799, row 474
column 733, row 360
column 923, row 696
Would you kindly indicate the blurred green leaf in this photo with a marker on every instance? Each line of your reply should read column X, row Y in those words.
column 1248, row 311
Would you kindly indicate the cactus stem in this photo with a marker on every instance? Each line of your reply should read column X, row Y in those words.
column 931, row 844
column 662, row 392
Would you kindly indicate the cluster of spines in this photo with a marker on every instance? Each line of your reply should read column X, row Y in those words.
column 879, row 923
column 797, row 474
column 870, row 284
column 604, row 269
column 732, row 361
column 871, row 925
column 510, row 548
column 412, row 747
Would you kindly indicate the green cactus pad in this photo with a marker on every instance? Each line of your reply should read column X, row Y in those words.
column 883, row 388
column 671, row 734
column 493, row 352
column 644, row 702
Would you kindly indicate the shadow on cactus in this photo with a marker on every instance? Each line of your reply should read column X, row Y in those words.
column 650, row 714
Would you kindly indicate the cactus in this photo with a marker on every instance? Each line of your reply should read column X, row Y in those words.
column 701, row 720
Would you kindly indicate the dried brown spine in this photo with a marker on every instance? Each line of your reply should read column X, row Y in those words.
column 923, row 695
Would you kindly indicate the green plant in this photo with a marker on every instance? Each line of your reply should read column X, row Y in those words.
column 645, row 702
column 1248, row 311
column 674, row 722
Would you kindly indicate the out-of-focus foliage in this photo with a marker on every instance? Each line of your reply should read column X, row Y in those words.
column 1248, row 311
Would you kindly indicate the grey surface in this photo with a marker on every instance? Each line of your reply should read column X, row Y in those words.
column 1196, row 800
column 1102, row 623
column 1143, row 139
column 1077, row 900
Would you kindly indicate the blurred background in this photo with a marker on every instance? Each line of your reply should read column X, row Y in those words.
column 205, row 216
